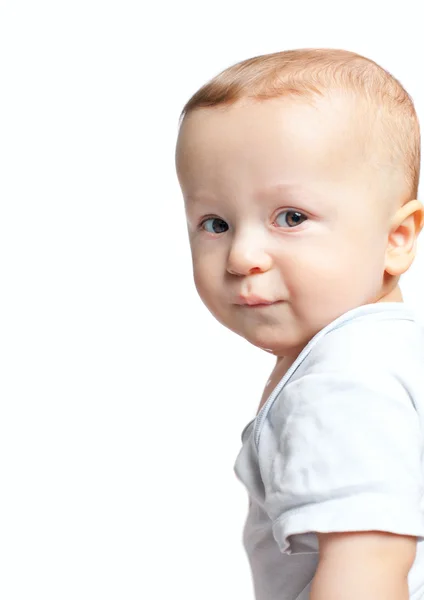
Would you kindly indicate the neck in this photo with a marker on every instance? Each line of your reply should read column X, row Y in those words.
column 394, row 295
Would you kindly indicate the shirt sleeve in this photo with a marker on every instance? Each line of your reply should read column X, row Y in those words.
column 346, row 456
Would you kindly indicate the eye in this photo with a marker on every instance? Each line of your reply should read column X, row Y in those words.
column 290, row 218
column 214, row 225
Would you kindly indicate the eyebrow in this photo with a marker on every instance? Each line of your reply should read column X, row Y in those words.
column 279, row 187
column 283, row 187
column 291, row 193
column 191, row 198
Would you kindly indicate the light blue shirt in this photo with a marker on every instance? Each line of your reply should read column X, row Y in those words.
column 338, row 446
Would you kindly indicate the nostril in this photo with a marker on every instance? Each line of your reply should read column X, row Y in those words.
column 254, row 270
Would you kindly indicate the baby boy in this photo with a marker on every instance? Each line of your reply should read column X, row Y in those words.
column 299, row 172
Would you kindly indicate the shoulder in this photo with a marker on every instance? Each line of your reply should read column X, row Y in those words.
column 365, row 362
column 385, row 345
column 371, row 359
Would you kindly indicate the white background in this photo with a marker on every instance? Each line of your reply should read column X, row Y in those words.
column 122, row 401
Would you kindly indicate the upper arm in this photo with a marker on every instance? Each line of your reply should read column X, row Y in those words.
column 366, row 565
column 394, row 552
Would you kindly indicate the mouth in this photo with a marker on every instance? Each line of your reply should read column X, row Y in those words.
column 255, row 302
column 260, row 305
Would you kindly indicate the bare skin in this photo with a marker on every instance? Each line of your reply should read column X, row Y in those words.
column 244, row 173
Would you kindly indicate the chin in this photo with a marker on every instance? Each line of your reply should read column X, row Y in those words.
column 277, row 345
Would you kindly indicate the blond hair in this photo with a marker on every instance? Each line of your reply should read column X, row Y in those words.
column 314, row 72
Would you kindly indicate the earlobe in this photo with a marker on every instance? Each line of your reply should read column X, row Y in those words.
column 406, row 226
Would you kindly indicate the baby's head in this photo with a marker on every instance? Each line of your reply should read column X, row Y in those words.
column 299, row 172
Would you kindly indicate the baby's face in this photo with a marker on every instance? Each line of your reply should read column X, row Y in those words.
column 284, row 222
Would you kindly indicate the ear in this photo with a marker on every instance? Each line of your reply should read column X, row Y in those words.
column 405, row 228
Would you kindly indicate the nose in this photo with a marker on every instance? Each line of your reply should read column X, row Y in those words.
column 247, row 256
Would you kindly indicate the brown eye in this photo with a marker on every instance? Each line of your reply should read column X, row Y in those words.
column 290, row 218
column 214, row 225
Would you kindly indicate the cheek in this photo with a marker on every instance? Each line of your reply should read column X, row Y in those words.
column 320, row 270
column 209, row 263
column 206, row 277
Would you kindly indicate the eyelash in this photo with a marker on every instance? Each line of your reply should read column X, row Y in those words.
column 287, row 210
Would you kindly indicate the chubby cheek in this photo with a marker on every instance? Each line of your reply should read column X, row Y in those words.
column 334, row 282
column 207, row 282
column 203, row 287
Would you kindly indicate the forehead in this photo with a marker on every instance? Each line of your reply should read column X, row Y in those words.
column 282, row 140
